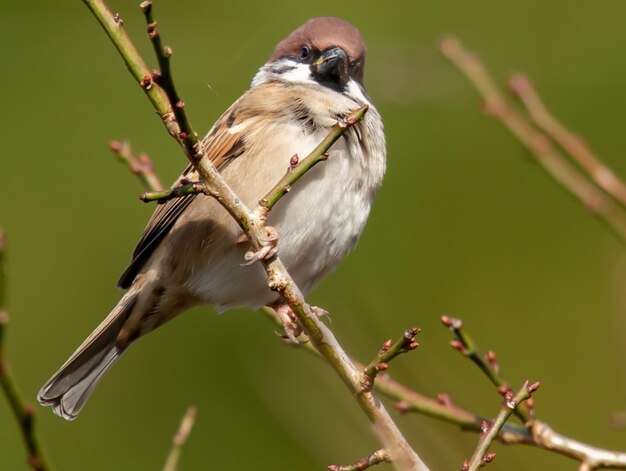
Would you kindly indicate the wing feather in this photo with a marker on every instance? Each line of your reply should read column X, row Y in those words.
column 223, row 144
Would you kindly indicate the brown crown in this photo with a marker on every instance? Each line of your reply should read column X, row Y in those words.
column 322, row 33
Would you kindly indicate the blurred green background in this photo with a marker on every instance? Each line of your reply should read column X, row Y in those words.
column 465, row 224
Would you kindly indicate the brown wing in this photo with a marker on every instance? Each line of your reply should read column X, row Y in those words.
column 222, row 145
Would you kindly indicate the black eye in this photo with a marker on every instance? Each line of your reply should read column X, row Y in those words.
column 305, row 52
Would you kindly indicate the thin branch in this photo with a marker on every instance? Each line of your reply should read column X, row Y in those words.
column 378, row 457
column 487, row 363
column 539, row 435
column 539, row 145
column 164, row 76
column 113, row 25
column 574, row 145
column 140, row 165
column 179, row 440
column 298, row 169
column 590, row 457
column 388, row 352
column 185, row 189
column 279, row 280
column 480, row 457
column 23, row 412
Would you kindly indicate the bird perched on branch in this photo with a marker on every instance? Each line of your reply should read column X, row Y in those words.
column 191, row 251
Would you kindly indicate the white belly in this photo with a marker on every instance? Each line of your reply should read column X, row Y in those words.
column 319, row 221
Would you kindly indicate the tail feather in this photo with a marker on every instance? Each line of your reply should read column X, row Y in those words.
column 70, row 387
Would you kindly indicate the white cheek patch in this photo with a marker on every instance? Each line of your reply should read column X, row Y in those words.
column 301, row 73
column 284, row 70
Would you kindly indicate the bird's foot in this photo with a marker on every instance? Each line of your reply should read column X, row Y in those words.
column 268, row 249
column 320, row 312
column 291, row 327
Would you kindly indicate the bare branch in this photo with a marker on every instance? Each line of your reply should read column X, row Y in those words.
column 23, row 412
column 480, row 457
column 388, row 352
column 179, row 440
column 184, row 189
column 113, row 25
column 487, row 362
column 539, row 145
column 298, row 169
column 378, row 457
column 140, row 165
column 574, row 145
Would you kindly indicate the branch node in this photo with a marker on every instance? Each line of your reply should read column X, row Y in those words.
column 388, row 352
column 146, row 82
column 152, row 30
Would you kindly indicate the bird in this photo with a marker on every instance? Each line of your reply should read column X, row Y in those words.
column 191, row 251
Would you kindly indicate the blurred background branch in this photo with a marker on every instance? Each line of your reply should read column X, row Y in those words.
column 23, row 412
column 180, row 438
column 540, row 145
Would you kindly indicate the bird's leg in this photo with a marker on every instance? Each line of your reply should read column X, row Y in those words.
column 267, row 251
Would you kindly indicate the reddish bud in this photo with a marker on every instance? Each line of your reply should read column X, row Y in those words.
column 465, row 466
column 457, row 345
column 157, row 76
column 146, row 82
column 503, row 390
column 182, row 135
column 294, row 160
column 533, row 387
column 180, row 104
column 152, row 30
column 382, row 366
column 403, row 407
column 489, row 457
column 116, row 146
column 444, row 399
column 385, row 348
column 412, row 332
column 446, row 321
column 118, row 20
column 519, row 84
column 484, row 426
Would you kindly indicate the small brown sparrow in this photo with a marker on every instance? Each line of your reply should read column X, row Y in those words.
column 191, row 251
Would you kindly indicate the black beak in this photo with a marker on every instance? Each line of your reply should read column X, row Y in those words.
column 332, row 65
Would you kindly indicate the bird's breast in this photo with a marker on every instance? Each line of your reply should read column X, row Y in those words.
column 319, row 221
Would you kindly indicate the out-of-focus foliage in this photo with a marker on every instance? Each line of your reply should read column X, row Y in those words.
column 466, row 224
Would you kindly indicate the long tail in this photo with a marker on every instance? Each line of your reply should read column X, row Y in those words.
column 70, row 387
